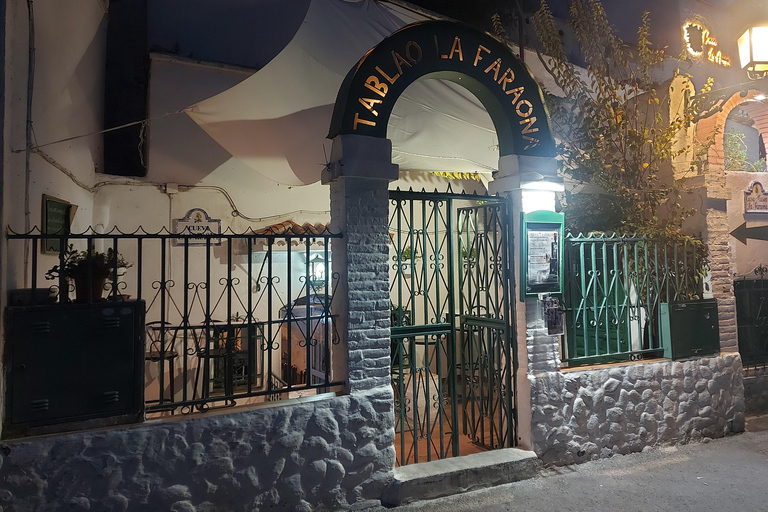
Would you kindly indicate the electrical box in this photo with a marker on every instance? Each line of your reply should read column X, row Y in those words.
column 74, row 366
column 689, row 329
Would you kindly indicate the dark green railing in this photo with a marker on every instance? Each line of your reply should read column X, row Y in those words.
column 225, row 312
column 445, row 267
column 752, row 318
column 613, row 289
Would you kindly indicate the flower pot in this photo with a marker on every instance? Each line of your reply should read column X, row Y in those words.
column 81, row 288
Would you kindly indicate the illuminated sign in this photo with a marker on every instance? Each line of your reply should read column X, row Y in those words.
column 700, row 42
column 450, row 51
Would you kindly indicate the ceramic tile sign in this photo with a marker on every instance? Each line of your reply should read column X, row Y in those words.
column 755, row 199
column 197, row 222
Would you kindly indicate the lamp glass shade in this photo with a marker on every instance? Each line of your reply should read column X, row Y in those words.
column 760, row 48
column 744, row 53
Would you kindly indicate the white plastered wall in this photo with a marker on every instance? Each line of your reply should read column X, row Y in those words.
column 69, row 46
column 744, row 258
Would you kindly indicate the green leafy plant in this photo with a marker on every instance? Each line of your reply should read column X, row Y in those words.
column 612, row 129
column 408, row 253
column 735, row 154
column 80, row 264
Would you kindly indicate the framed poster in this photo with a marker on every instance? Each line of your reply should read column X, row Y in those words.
column 542, row 262
column 55, row 221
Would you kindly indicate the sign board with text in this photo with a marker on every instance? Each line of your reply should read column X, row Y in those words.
column 542, row 261
column 197, row 222
column 755, row 199
column 55, row 221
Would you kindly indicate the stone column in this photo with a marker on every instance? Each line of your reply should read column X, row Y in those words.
column 359, row 175
column 536, row 350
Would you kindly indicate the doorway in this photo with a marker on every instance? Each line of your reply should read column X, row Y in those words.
column 452, row 342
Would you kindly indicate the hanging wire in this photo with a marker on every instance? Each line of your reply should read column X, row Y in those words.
column 143, row 122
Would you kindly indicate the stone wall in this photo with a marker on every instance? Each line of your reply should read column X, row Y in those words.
column 582, row 415
column 334, row 453
column 756, row 391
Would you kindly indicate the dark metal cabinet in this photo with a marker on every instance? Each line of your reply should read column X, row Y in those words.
column 689, row 329
column 75, row 365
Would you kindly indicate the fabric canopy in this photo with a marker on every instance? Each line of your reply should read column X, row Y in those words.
column 277, row 120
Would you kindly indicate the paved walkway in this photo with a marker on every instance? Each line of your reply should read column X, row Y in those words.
column 723, row 475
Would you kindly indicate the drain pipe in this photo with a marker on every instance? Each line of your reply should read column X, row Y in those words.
column 28, row 153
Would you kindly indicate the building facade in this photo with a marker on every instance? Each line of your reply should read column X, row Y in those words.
column 397, row 381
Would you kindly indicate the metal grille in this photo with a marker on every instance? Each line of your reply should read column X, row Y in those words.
column 613, row 289
column 427, row 307
column 488, row 366
column 232, row 318
column 752, row 319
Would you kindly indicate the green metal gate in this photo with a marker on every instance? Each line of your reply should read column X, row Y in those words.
column 453, row 365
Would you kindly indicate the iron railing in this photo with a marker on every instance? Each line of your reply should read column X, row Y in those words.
column 231, row 318
column 613, row 288
column 447, row 291
column 751, row 294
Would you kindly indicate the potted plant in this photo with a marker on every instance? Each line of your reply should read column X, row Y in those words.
column 82, row 266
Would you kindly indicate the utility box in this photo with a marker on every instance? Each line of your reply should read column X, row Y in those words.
column 689, row 329
column 74, row 366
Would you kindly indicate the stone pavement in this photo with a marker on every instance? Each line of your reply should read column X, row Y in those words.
column 723, row 475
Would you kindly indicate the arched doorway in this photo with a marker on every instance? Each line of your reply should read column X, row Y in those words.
column 451, row 255
column 734, row 229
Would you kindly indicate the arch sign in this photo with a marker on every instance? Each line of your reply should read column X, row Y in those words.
column 450, row 51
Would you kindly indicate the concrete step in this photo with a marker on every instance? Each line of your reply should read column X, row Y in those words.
column 435, row 479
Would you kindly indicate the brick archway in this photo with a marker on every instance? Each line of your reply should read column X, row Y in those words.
column 717, row 234
column 757, row 110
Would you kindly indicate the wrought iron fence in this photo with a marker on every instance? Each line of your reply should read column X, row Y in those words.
column 231, row 318
column 751, row 294
column 613, row 289
column 452, row 369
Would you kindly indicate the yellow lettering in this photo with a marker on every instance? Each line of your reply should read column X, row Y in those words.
column 479, row 57
column 391, row 80
column 373, row 84
column 506, row 78
column 408, row 49
column 361, row 121
column 529, row 125
column 532, row 142
column 437, row 49
column 496, row 67
column 528, row 108
column 518, row 91
column 398, row 62
column 456, row 48
column 369, row 103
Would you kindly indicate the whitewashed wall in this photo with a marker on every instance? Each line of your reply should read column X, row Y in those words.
column 744, row 258
column 68, row 101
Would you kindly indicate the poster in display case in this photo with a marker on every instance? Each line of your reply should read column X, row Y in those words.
column 542, row 262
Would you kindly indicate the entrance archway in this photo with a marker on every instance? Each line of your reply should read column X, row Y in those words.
column 450, row 51
column 453, row 354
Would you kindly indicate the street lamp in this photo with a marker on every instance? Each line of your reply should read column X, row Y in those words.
column 753, row 51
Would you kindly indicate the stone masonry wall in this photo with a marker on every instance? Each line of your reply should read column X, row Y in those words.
column 589, row 414
column 336, row 452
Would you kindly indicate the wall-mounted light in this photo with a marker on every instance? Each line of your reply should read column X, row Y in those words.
column 317, row 271
column 540, row 195
column 753, row 51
